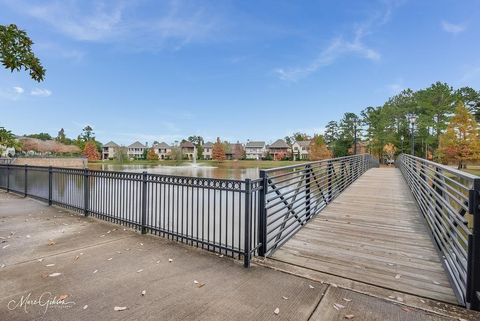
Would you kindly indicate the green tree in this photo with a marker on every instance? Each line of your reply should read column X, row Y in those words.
column 7, row 139
column 61, row 136
column 41, row 136
column 198, row 142
column 16, row 52
column 471, row 99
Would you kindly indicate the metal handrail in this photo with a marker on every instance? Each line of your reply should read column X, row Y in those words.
column 449, row 200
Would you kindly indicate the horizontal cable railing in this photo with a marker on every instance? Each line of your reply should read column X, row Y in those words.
column 449, row 200
column 294, row 194
column 214, row 214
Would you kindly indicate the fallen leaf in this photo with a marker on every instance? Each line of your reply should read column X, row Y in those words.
column 5, row 246
column 397, row 276
column 284, row 297
column 158, row 262
column 141, row 244
column 334, row 285
column 277, row 311
column 28, row 236
column 400, row 299
column 311, row 286
column 339, row 306
column 406, row 309
column 119, row 308
column 347, row 300
column 40, row 260
column 62, row 297
column 201, row 285
column 144, row 292
column 2, row 266
column 195, row 281
column 55, row 274
column 95, row 271
column 51, row 242
column 49, row 265
column 349, row 316
column 76, row 258
column 85, row 306
column 139, row 270
column 435, row 282
column 391, row 296
column 169, row 260
column 109, row 259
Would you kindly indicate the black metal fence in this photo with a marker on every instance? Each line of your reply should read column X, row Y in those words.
column 294, row 194
column 214, row 214
column 237, row 218
column 449, row 200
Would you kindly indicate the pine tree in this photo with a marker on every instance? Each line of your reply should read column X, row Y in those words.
column 460, row 143
column 218, row 151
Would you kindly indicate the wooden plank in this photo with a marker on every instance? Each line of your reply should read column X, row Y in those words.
column 374, row 233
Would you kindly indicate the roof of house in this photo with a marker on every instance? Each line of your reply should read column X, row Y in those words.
column 162, row 145
column 255, row 145
column 208, row 144
column 187, row 144
column 137, row 144
column 279, row 143
column 110, row 144
column 303, row 143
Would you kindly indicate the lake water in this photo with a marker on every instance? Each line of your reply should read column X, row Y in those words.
column 230, row 171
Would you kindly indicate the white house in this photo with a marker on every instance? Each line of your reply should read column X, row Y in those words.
column 109, row 149
column 255, row 150
column 301, row 150
column 136, row 150
column 162, row 149
column 207, row 150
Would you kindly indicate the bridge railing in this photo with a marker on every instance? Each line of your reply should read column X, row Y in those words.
column 218, row 215
column 292, row 195
column 449, row 200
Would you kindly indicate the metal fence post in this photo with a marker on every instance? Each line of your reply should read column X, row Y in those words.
column 8, row 178
column 86, row 191
column 144, row 203
column 262, row 214
column 307, row 191
column 330, row 179
column 25, row 181
column 473, row 266
column 50, row 174
column 248, row 226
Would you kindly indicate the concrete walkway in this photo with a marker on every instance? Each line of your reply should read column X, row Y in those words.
column 47, row 253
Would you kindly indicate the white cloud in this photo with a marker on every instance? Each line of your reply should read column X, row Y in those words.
column 341, row 47
column 175, row 24
column 452, row 28
column 40, row 92
column 18, row 90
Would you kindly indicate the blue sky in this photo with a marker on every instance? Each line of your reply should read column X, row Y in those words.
column 260, row 70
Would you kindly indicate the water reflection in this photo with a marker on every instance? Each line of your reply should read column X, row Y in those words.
column 230, row 171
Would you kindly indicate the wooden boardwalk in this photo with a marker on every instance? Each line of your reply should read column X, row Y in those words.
column 372, row 233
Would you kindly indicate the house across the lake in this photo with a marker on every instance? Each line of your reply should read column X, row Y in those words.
column 207, row 150
column 136, row 150
column 162, row 149
column 109, row 149
column 301, row 150
column 255, row 150
column 188, row 149
column 279, row 150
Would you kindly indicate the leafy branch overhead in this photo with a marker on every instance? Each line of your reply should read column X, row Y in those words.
column 16, row 52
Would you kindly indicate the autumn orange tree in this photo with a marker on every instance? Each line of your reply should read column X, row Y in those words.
column 460, row 143
column 318, row 148
column 90, row 151
column 389, row 150
column 218, row 151
column 151, row 155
